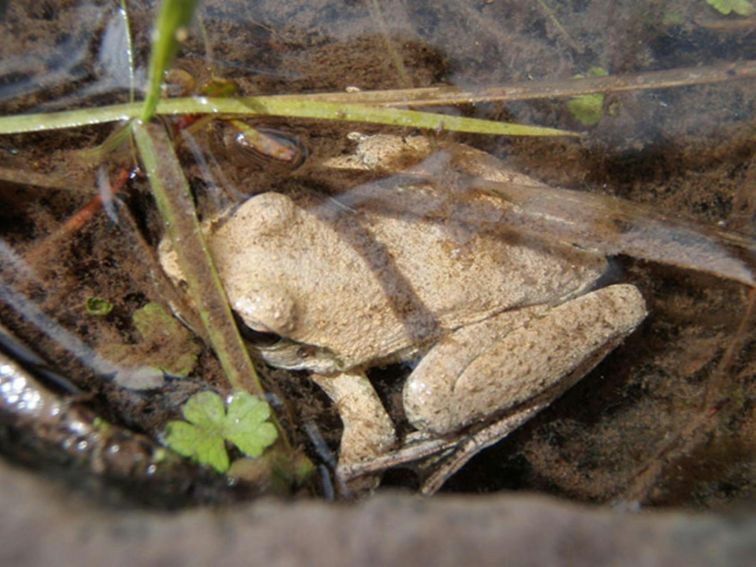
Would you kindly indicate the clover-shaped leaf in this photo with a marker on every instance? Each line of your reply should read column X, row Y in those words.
column 209, row 425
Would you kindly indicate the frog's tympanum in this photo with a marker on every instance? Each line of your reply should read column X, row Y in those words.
column 501, row 324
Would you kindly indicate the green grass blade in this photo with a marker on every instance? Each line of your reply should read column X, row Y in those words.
column 173, row 197
column 170, row 27
column 129, row 48
column 174, row 200
column 286, row 106
column 303, row 108
column 20, row 123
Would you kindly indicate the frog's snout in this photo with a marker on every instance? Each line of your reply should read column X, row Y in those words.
column 268, row 310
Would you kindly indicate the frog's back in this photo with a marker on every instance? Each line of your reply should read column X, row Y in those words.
column 381, row 277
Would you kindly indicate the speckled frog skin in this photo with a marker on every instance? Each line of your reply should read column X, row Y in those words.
column 417, row 271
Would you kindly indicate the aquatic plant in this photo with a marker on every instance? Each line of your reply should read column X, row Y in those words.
column 209, row 424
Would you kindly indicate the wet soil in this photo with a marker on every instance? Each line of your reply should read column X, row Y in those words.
column 667, row 419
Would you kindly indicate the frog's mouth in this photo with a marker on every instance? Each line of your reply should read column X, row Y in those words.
column 288, row 354
column 291, row 355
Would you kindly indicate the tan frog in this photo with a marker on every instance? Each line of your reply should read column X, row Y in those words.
column 502, row 325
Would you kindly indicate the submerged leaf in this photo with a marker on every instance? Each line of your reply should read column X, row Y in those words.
column 247, row 424
column 169, row 345
column 196, row 443
column 166, row 346
column 589, row 108
column 205, row 410
column 740, row 7
column 203, row 438
column 98, row 307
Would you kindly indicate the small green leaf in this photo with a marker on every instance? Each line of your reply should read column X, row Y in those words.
column 198, row 444
column 740, row 7
column 247, row 424
column 98, row 307
column 303, row 468
column 220, row 87
column 202, row 437
column 587, row 109
column 205, row 410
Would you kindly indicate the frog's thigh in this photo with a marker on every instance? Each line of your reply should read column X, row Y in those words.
column 368, row 430
column 462, row 381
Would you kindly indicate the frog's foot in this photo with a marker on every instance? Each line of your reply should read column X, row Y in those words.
column 368, row 430
column 436, row 471
column 435, row 459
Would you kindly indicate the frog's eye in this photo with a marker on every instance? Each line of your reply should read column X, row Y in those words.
column 257, row 338
column 268, row 310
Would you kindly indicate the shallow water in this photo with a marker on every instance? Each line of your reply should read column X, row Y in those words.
column 665, row 419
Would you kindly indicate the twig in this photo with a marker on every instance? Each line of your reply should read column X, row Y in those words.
column 75, row 222
column 561, row 88
column 396, row 59
column 566, row 37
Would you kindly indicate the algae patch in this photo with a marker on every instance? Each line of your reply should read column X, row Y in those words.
column 165, row 347
column 589, row 108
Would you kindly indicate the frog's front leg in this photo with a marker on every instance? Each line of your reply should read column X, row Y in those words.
column 513, row 365
column 368, row 430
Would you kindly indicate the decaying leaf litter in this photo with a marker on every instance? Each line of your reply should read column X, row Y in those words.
column 605, row 159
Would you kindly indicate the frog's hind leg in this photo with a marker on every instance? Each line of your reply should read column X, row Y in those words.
column 440, row 470
column 515, row 372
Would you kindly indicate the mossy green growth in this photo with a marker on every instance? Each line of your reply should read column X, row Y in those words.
column 101, row 425
column 588, row 109
column 165, row 347
column 209, row 424
column 98, row 307
column 726, row 7
column 673, row 17
column 174, row 350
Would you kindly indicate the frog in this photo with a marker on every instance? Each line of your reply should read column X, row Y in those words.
column 403, row 269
